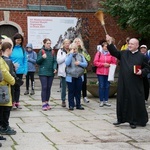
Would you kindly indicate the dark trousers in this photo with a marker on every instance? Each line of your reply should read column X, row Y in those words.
column 84, row 88
column 46, row 83
column 30, row 76
column 146, row 87
column 4, row 116
column 17, row 90
column 74, row 91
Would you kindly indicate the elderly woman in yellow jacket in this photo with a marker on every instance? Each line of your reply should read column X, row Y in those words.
column 5, row 109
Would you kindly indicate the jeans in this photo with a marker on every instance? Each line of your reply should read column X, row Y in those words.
column 74, row 91
column 63, row 88
column 104, row 85
column 46, row 83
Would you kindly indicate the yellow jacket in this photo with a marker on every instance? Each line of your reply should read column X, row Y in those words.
column 8, row 79
column 86, row 56
column 124, row 47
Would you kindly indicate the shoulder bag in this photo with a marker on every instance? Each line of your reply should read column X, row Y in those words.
column 4, row 94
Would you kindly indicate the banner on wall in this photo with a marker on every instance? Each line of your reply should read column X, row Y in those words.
column 55, row 28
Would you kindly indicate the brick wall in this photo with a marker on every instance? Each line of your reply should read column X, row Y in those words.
column 47, row 2
column 13, row 3
column 96, row 32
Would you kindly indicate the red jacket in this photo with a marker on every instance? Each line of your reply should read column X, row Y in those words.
column 100, row 59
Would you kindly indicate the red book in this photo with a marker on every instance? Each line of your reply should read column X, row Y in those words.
column 136, row 68
column 43, row 52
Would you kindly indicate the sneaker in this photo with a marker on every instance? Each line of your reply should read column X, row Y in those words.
column 18, row 105
column 48, row 107
column 101, row 104
column 107, row 104
column 13, row 105
column 80, row 108
column 86, row 100
column 2, row 138
column 32, row 92
column 71, row 108
column 63, row 104
column 44, row 107
column 26, row 92
column 8, row 131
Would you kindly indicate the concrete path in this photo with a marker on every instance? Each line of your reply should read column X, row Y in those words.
column 60, row 129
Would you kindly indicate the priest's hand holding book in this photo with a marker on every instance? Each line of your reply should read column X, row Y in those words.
column 137, row 69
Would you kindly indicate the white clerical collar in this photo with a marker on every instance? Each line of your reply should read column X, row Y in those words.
column 134, row 51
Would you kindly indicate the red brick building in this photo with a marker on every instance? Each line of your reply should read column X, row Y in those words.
column 13, row 16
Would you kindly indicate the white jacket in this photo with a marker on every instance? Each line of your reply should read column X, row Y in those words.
column 61, row 56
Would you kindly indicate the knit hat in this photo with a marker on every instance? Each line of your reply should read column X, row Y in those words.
column 29, row 45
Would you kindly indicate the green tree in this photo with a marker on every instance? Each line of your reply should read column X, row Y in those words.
column 130, row 13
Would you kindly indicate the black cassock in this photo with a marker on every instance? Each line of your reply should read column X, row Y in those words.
column 130, row 94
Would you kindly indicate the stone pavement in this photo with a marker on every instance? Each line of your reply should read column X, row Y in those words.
column 60, row 129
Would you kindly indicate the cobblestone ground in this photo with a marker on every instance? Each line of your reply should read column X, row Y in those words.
column 60, row 129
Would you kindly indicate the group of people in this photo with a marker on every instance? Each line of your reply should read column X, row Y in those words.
column 133, row 87
column 70, row 63
column 13, row 65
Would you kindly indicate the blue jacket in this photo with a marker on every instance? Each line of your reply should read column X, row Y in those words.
column 31, row 57
column 19, row 57
column 70, row 68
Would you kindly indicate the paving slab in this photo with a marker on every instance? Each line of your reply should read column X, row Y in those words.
column 61, row 129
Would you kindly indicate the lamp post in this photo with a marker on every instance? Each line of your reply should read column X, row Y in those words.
column 72, row 8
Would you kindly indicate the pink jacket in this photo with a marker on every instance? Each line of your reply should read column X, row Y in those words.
column 100, row 59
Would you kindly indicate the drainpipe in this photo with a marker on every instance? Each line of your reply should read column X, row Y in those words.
column 39, row 7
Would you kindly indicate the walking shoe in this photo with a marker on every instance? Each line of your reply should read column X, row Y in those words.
column 26, row 92
column 133, row 126
column 44, row 107
column 2, row 138
column 48, row 107
column 71, row 108
column 32, row 92
column 8, row 131
column 13, row 105
column 18, row 105
column 116, row 123
column 80, row 108
column 86, row 100
column 101, row 104
column 63, row 104
column 107, row 104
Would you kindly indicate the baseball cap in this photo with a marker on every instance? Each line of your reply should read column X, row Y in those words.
column 1, row 37
column 143, row 46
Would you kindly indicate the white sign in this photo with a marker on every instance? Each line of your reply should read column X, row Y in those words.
column 54, row 28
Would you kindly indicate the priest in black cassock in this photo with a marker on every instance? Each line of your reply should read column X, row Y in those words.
column 130, row 94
